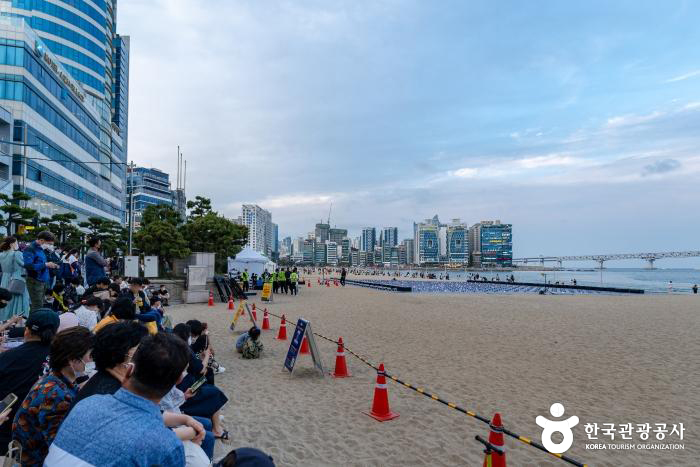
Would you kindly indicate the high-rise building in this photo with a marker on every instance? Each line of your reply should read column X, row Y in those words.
column 390, row 236
column 64, row 78
column 369, row 239
column 496, row 245
column 309, row 251
column 490, row 244
column 274, row 243
column 298, row 249
column 409, row 245
column 331, row 254
column 260, row 230
column 427, row 243
column 457, row 243
column 147, row 187
column 337, row 235
column 345, row 251
column 320, row 254
column 321, row 232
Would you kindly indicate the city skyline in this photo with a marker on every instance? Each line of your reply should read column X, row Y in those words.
column 579, row 133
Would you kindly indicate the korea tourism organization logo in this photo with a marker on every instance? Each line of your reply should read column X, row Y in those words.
column 623, row 436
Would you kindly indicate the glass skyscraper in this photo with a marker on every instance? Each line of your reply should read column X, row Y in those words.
column 148, row 187
column 457, row 243
column 496, row 245
column 64, row 79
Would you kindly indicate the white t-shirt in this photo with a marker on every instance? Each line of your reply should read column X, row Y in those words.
column 86, row 317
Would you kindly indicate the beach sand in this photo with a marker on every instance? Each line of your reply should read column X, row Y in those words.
column 607, row 359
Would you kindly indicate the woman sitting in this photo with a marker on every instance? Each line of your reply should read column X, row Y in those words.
column 115, row 345
column 122, row 310
column 207, row 400
column 48, row 402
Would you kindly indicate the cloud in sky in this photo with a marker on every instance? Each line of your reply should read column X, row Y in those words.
column 661, row 166
column 684, row 76
column 397, row 110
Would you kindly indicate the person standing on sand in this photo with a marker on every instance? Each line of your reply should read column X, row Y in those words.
column 670, row 286
column 695, row 288
column 343, row 273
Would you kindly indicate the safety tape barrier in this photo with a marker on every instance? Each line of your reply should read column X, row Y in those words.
column 451, row 405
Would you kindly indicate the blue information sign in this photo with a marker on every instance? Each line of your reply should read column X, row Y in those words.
column 295, row 345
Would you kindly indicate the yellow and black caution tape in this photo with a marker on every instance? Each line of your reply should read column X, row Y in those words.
column 452, row 405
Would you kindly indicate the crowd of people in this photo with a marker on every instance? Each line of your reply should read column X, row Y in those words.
column 95, row 374
column 283, row 280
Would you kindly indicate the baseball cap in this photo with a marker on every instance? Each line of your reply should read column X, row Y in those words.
column 43, row 319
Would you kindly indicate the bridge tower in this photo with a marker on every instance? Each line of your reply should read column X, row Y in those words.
column 600, row 262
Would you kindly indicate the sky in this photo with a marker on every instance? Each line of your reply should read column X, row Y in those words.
column 577, row 122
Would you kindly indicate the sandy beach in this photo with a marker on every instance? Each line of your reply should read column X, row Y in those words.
column 607, row 359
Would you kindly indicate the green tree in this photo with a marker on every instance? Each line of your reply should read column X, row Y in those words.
column 215, row 234
column 200, row 207
column 163, row 239
column 14, row 214
column 161, row 212
column 113, row 234
column 67, row 233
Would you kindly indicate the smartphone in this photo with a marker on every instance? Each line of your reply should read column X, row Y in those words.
column 197, row 384
column 7, row 403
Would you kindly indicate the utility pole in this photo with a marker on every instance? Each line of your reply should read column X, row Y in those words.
column 130, row 187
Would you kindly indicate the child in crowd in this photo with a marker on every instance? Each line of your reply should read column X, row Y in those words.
column 249, row 345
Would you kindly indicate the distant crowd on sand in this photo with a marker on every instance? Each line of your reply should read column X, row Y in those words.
column 94, row 373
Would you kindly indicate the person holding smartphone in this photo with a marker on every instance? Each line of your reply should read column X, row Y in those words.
column 48, row 402
column 22, row 366
column 207, row 400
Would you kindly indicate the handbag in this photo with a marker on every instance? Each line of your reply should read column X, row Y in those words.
column 16, row 286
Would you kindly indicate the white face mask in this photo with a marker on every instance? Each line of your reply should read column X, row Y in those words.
column 189, row 340
column 79, row 373
column 15, row 246
column 90, row 368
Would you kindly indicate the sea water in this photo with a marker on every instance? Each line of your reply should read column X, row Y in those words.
column 649, row 280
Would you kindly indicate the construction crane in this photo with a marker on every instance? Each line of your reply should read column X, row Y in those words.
column 329, row 214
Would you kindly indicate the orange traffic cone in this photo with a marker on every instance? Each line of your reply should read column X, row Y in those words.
column 282, row 334
column 266, row 321
column 496, row 438
column 304, row 347
column 380, row 405
column 230, row 302
column 211, row 298
column 341, row 368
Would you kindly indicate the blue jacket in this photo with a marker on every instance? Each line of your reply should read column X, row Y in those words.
column 94, row 271
column 35, row 262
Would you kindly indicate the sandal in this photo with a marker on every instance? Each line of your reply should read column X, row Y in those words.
column 223, row 437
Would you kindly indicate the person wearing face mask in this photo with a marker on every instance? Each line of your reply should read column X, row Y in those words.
column 22, row 366
column 94, row 262
column 37, row 267
column 114, row 348
column 12, row 264
column 49, row 400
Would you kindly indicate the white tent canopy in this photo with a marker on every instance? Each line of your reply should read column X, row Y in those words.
column 251, row 260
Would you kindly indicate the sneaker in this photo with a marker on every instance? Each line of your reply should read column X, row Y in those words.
column 220, row 369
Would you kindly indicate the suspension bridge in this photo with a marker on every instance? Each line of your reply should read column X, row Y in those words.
column 601, row 259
